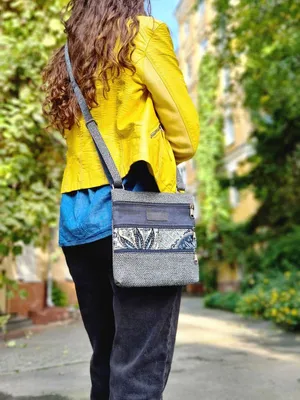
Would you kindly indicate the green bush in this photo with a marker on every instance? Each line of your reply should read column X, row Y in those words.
column 223, row 301
column 208, row 276
column 276, row 254
column 253, row 303
column 59, row 297
column 282, row 253
column 275, row 297
column 251, row 280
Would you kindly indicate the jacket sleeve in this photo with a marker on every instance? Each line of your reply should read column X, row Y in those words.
column 172, row 102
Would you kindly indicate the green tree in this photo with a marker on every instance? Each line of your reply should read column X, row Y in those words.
column 260, row 42
column 213, row 199
column 32, row 158
column 215, row 212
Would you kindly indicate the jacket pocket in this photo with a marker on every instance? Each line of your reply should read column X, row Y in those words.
column 156, row 131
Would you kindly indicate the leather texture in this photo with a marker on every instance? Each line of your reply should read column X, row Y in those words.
column 106, row 159
column 104, row 154
column 147, row 116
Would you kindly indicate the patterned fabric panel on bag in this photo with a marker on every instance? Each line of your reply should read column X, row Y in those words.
column 153, row 227
column 154, row 239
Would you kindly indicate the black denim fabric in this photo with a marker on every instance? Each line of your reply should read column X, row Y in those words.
column 132, row 330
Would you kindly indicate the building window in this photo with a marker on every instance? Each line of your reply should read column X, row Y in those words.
column 194, row 164
column 201, row 8
column 203, row 47
column 189, row 72
column 197, row 213
column 226, row 79
column 26, row 264
column 182, row 170
column 229, row 131
column 234, row 197
column 187, row 28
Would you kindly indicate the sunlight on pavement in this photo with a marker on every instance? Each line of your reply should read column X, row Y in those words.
column 229, row 335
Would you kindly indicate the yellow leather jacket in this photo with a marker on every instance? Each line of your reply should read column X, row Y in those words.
column 147, row 116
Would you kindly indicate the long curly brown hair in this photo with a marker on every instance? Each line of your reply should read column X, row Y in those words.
column 94, row 30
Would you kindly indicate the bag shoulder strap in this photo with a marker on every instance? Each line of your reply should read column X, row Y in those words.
column 105, row 156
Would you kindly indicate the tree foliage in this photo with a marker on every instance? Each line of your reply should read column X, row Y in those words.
column 214, row 207
column 31, row 157
column 213, row 198
column 260, row 43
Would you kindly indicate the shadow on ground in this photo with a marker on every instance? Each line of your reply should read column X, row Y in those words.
column 4, row 396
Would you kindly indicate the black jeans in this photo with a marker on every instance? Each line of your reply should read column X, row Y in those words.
column 132, row 330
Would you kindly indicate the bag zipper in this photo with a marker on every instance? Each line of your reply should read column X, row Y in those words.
column 192, row 210
column 190, row 206
column 137, row 203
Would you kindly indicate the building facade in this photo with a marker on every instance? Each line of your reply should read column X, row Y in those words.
column 35, row 270
column 195, row 38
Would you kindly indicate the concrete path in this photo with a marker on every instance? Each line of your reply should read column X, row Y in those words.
column 219, row 355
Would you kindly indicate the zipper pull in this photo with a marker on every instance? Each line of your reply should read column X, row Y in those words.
column 192, row 210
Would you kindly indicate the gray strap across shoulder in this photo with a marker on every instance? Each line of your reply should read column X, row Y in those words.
column 105, row 156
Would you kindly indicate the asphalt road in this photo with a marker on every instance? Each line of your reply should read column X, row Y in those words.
column 218, row 356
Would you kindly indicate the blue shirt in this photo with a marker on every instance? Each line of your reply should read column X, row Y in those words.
column 86, row 215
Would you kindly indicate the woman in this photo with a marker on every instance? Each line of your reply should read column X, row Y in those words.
column 125, row 65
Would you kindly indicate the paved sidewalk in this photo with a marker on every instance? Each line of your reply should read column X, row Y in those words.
column 218, row 355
